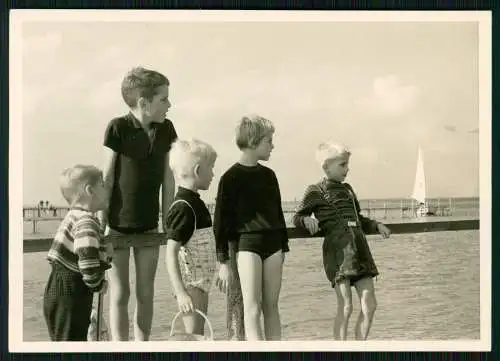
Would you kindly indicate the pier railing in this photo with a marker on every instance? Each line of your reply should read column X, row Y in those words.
column 377, row 209
column 31, row 245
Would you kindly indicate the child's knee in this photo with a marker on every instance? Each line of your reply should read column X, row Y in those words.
column 270, row 306
column 346, row 310
column 145, row 294
column 253, row 310
column 120, row 294
column 369, row 303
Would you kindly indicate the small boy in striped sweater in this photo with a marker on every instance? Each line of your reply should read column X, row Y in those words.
column 78, row 256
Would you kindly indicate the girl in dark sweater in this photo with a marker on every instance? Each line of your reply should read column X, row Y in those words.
column 248, row 214
column 346, row 256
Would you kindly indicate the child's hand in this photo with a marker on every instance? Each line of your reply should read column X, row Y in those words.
column 104, row 288
column 383, row 230
column 311, row 224
column 185, row 302
column 103, row 221
column 110, row 251
column 224, row 278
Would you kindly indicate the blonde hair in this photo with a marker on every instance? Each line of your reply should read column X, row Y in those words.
column 73, row 181
column 186, row 154
column 330, row 150
column 251, row 130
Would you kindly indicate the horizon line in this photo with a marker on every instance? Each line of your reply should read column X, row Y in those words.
column 297, row 200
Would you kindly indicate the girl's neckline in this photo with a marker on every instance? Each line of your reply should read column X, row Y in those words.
column 248, row 166
column 328, row 180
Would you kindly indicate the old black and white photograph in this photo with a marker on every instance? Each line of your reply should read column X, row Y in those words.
column 237, row 178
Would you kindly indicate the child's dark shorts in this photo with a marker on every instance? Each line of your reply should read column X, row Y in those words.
column 264, row 243
column 354, row 279
column 67, row 305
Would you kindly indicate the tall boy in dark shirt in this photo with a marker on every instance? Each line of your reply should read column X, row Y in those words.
column 137, row 147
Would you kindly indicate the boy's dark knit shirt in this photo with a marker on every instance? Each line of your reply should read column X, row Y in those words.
column 248, row 200
column 180, row 221
column 139, row 172
column 78, row 246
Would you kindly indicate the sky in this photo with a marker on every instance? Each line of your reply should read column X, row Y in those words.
column 381, row 88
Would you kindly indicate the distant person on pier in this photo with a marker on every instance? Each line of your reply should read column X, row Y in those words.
column 137, row 165
column 332, row 206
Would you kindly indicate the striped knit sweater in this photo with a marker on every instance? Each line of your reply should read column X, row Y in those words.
column 79, row 247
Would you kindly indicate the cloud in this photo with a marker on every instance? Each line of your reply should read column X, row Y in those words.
column 388, row 96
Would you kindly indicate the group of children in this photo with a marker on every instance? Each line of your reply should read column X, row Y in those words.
column 242, row 250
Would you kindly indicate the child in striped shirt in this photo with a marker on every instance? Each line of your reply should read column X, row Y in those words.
column 78, row 256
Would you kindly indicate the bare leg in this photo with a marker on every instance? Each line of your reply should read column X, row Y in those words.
column 271, row 280
column 119, row 290
column 344, row 309
column 194, row 322
column 146, row 262
column 250, row 271
column 235, row 321
column 366, row 294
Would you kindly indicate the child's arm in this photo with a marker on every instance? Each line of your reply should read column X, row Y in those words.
column 183, row 299
column 222, row 226
column 223, row 220
column 168, row 184
column 368, row 225
column 307, row 206
column 109, row 180
column 179, row 227
column 302, row 217
column 285, row 246
column 167, row 189
column 112, row 146
column 87, row 247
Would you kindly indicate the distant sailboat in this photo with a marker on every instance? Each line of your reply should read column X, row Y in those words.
column 419, row 189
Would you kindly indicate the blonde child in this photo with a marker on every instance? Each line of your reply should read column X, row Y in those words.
column 346, row 255
column 78, row 256
column 249, row 215
column 190, row 254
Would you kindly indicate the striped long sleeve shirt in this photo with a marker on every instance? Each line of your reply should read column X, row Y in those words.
column 79, row 247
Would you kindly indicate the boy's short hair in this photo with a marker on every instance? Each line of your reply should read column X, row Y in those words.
column 330, row 150
column 186, row 154
column 140, row 82
column 73, row 181
column 251, row 130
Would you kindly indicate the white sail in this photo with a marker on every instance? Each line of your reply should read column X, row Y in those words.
column 419, row 191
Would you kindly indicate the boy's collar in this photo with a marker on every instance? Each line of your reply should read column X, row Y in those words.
column 136, row 123
column 328, row 180
column 182, row 189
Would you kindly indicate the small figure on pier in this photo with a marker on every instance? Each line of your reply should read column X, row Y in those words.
column 40, row 208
